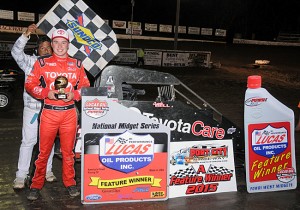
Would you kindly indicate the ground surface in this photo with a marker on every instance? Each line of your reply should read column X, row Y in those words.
column 223, row 88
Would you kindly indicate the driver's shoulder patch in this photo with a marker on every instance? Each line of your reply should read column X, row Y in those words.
column 41, row 60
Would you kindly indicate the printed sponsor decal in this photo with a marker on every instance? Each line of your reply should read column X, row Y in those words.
column 255, row 101
column 95, row 108
column 84, row 35
column 93, row 197
column 269, row 152
column 198, row 153
column 158, row 194
column 141, row 190
column 161, row 105
column 286, row 175
column 126, row 152
column 231, row 130
column 269, row 141
column 198, row 128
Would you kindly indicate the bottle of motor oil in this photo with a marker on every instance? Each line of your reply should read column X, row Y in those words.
column 269, row 141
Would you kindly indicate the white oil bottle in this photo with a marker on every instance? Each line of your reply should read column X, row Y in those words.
column 269, row 141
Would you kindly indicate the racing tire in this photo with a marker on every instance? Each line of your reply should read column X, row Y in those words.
column 6, row 100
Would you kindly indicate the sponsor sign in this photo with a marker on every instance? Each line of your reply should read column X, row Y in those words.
column 220, row 32
column 194, row 30
column 270, row 160
column 185, row 59
column 201, row 167
column 26, row 16
column 134, row 31
column 150, row 27
column 181, row 29
column 207, row 31
column 119, row 24
column 6, row 14
column 125, row 56
column 164, row 58
column 124, row 154
column 165, row 28
column 152, row 57
column 135, row 25
column 12, row 29
column 175, row 59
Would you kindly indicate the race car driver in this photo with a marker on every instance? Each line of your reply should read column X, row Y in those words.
column 58, row 114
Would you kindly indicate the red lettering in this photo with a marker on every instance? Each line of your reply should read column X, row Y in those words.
column 201, row 188
column 128, row 149
column 207, row 131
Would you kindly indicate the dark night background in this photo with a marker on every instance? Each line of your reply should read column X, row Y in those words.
column 264, row 18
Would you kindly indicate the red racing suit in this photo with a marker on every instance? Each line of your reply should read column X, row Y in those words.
column 56, row 115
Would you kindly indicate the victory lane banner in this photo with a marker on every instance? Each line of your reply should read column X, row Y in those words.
column 124, row 154
column 91, row 39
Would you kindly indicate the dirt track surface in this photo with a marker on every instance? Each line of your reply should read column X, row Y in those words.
column 224, row 88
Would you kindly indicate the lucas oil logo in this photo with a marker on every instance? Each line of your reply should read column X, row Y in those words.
column 95, row 108
column 126, row 152
column 269, row 141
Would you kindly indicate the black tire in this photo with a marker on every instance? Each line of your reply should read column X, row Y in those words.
column 6, row 100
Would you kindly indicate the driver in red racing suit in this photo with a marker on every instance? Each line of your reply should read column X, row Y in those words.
column 57, row 115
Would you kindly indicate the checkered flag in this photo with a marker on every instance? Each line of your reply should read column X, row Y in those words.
column 91, row 39
column 218, row 170
column 190, row 171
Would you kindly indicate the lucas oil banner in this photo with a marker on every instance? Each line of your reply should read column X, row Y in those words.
column 124, row 154
column 201, row 167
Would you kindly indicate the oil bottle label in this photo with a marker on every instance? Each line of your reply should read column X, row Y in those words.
column 269, row 146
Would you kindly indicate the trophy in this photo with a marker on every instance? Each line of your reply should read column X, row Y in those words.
column 60, row 84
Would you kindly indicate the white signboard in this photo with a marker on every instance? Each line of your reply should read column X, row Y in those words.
column 165, row 28
column 185, row 59
column 181, row 29
column 6, row 14
column 206, row 31
column 125, row 57
column 152, row 57
column 175, row 59
column 25, row 16
column 201, row 167
column 134, row 31
column 194, row 30
column 127, row 159
column 135, row 25
column 119, row 24
column 150, row 27
column 220, row 32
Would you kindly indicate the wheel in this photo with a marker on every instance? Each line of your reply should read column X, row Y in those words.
column 6, row 100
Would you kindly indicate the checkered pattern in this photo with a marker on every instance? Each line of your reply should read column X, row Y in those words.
column 85, row 28
column 190, row 171
column 218, row 170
